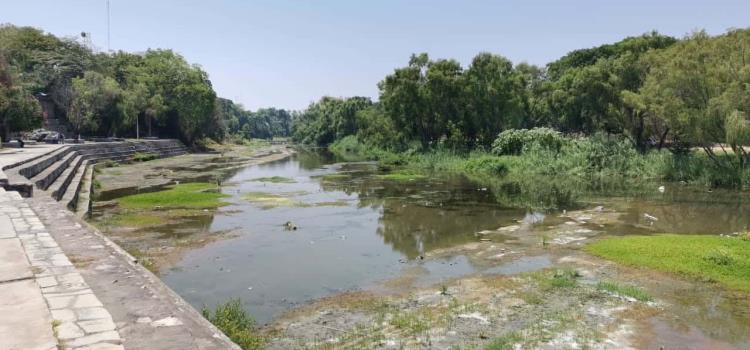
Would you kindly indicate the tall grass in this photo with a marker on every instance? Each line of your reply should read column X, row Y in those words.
column 236, row 323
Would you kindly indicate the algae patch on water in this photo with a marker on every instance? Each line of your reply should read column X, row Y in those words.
column 275, row 179
column 190, row 195
column 401, row 177
column 266, row 200
column 725, row 260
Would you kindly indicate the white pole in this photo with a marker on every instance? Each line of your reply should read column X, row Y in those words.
column 109, row 49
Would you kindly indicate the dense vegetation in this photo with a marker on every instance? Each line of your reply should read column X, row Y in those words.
column 156, row 93
column 641, row 107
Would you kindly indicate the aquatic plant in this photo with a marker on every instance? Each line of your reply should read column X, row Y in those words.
column 624, row 290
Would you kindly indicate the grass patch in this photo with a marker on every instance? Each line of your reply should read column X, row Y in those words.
column 189, row 195
column 624, row 290
column 235, row 322
column 144, row 260
column 506, row 342
column 275, row 179
column 558, row 278
column 411, row 323
column 144, row 157
column 725, row 260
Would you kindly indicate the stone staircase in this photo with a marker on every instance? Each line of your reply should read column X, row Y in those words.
column 66, row 172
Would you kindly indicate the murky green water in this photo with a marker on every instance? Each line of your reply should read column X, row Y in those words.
column 356, row 230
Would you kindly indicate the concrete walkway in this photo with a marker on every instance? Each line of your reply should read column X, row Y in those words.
column 46, row 303
column 145, row 311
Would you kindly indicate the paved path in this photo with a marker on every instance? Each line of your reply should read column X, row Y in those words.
column 147, row 313
column 48, row 303
column 85, row 293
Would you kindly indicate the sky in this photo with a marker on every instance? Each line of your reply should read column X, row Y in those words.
column 287, row 54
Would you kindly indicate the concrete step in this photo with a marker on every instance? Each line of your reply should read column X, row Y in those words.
column 31, row 168
column 70, row 197
column 59, row 187
column 82, row 204
column 45, row 178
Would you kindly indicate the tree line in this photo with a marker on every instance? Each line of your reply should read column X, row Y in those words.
column 654, row 90
column 155, row 93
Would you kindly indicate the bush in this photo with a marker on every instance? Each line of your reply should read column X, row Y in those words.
column 514, row 141
column 234, row 321
column 487, row 164
column 143, row 157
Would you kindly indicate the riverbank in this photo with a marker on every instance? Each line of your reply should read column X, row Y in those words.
column 159, row 209
column 578, row 163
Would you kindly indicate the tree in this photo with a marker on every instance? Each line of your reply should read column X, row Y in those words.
column 95, row 100
column 495, row 97
column 701, row 88
column 18, row 109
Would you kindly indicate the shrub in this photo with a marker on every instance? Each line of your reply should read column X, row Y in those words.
column 234, row 321
column 143, row 157
column 487, row 164
column 514, row 141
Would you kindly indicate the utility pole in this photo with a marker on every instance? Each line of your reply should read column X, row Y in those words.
column 109, row 49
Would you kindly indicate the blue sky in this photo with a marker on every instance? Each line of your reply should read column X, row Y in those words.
column 287, row 54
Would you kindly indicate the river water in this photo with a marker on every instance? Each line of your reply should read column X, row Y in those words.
column 356, row 230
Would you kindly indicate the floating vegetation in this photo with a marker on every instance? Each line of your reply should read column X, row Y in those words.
column 401, row 177
column 275, row 179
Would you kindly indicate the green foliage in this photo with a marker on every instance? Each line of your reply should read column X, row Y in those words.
column 328, row 120
column 700, row 88
column 265, row 123
column 144, row 157
column 727, row 260
column 513, row 141
column 190, row 195
column 18, row 108
column 624, row 290
column 563, row 278
column 236, row 323
column 109, row 163
column 719, row 256
column 487, row 165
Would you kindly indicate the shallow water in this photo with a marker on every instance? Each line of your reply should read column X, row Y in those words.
column 357, row 231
